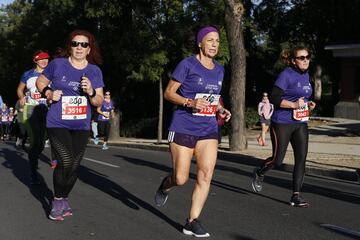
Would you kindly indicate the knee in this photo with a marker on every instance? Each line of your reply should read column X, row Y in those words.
column 180, row 179
column 204, row 176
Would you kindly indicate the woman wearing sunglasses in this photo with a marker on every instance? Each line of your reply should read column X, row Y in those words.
column 290, row 96
column 76, row 83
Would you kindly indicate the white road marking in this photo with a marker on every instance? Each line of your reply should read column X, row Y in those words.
column 99, row 162
column 341, row 229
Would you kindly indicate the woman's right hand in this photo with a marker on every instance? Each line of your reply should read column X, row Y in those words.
column 55, row 95
column 200, row 103
column 300, row 102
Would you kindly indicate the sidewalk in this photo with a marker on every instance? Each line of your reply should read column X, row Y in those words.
column 334, row 148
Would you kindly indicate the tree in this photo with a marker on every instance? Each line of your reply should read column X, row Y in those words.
column 234, row 12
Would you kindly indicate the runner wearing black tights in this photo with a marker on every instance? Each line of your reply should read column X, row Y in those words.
column 290, row 96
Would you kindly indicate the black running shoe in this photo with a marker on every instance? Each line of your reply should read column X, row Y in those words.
column 257, row 181
column 297, row 201
column 195, row 228
column 161, row 196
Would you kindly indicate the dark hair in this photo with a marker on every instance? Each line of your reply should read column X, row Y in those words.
column 94, row 56
column 289, row 54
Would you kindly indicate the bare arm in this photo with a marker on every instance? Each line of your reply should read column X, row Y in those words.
column 20, row 93
column 171, row 95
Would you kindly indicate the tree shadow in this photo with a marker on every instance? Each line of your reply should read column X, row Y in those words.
column 19, row 166
column 102, row 183
column 283, row 183
column 339, row 130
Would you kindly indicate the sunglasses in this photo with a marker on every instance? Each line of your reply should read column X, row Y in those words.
column 302, row 58
column 83, row 44
column 107, row 94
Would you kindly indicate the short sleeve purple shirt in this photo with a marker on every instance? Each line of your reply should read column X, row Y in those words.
column 65, row 77
column 295, row 85
column 195, row 78
column 106, row 107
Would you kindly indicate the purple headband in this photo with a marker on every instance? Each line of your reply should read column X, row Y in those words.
column 203, row 31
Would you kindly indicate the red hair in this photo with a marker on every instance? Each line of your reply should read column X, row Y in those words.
column 94, row 56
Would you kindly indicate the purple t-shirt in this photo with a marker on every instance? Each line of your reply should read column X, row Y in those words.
column 106, row 107
column 65, row 77
column 195, row 78
column 295, row 85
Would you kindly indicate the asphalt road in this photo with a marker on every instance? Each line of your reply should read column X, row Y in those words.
column 113, row 199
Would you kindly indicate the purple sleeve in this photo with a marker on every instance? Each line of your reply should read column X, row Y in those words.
column 281, row 81
column 180, row 72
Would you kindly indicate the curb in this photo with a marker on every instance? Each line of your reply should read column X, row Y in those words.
column 347, row 175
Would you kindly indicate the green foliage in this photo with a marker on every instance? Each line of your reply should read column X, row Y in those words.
column 251, row 117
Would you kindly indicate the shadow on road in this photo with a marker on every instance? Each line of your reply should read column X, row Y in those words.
column 279, row 182
column 18, row 163
column 102, row 183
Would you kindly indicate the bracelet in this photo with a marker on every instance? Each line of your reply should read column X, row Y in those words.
column 93, row 94
column 44, row 91
column 188, row 102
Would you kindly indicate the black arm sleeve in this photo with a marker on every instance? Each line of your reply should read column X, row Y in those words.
column 275, row 96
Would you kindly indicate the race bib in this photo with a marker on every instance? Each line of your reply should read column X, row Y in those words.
column 35, row 95
column 106, row 116
column 73, row 107
column 302, row 114
column 210, row 110
column 4, row 118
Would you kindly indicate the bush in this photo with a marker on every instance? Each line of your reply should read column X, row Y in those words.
column 251, row 117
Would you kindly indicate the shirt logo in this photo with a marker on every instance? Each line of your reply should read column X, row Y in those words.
column 200, row 81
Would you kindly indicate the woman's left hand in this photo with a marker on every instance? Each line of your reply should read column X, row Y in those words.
column 224, row 113
column 86, row 85
column 311, row 105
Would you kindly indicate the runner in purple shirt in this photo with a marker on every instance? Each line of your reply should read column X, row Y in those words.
column 106, row 113
column 76, row 82
column 195, row 87
column 290, row 96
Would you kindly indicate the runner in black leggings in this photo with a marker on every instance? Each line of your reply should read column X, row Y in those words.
column 290, row 96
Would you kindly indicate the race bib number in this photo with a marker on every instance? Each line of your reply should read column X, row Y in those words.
column 210, row 110
column 35, row 95
column 302, row 114
column 73, row 107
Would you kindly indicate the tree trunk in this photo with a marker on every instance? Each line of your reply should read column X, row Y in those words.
column 234, row 12
column 161, row 109
column 115, row 127
column 317, row 83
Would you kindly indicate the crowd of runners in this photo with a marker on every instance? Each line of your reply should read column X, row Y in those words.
column 63, row 100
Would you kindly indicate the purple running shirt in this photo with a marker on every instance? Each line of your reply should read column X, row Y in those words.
column 195, row 78
column 295, row 85
column 106, row 107
column 73, row 110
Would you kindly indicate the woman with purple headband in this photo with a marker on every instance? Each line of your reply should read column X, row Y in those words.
column 195, row 90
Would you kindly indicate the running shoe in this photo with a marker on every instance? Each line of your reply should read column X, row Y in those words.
column 194, row 228
column 105, row 147
column 297, row 201
column 257, row 181
column 57, row 207
column 161, row 196
column 96, row 141
column 67, row 211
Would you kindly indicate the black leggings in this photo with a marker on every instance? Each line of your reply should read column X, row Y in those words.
column 105, row 129
column 68, row 148
column 281, row 135
column 35, row 127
